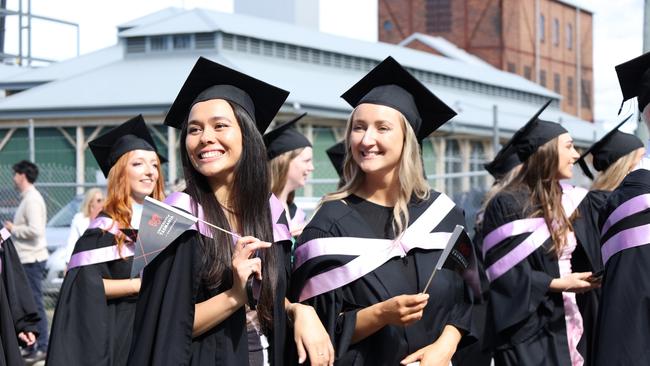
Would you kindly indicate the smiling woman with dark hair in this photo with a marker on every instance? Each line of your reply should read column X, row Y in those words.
column 211, row 298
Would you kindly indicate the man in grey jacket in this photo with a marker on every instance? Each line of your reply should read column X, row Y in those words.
column 28, row 234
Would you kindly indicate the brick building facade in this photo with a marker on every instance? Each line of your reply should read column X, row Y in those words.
column 547, row 41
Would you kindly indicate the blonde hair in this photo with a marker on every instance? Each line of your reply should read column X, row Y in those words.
column 88, row 198
column 611, row 177
column 410, row 175
column 279, row 167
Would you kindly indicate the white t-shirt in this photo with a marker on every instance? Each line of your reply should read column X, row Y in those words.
column 77, row 227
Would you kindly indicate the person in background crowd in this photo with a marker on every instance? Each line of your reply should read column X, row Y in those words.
column 91, row 206
column 290, row 161
column 18, row 312
column 539, row 249
column 28, row 235
column 624, row 315
column 93, row 321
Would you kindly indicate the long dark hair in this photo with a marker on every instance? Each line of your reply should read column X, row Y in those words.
column 538, row 175
column 249, row 198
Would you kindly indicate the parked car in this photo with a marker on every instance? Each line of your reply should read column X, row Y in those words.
column 56, row 234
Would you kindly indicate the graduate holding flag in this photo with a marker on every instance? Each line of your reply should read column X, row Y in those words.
column 540, row 249
column 211, row 297
column 623, row 335
column 94, row 315
column 366, row 256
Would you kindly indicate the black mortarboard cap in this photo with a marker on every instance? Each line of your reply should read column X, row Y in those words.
column 634, row 78
column 391, row 85
column 611, row 147
column 505, row 160
column 210, row 80
column 130, row 135
column 534, row 134
column 285, row 138
column 336, row 153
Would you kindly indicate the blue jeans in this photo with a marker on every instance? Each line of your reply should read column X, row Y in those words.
column 35, row 275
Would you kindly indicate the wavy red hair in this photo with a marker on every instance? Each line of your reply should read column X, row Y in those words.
column 117, row 204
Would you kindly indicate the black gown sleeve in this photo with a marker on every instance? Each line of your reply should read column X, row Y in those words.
column 520, row 292
column 21, row 300
column 165, row 311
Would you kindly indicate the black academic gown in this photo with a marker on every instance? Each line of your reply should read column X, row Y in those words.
column 88, row 329
column 525, row 321
column 449, row 303
column 171, row 286
column 624, row 319
column 18, row 312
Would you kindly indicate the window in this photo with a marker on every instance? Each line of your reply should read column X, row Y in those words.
column 158, row 43
column 512, row 67
column 476, row 161
column 388, row 26
column 542, row 78
column 438, row 16
column 569, row 36
column 569, row 90
column 556, row 32
column 204, row 40
column 135, row 45
column 556, row 83
column 181, row 41
column 585, row 100
column 453, row 164
column 528, row 73
column 542, row 27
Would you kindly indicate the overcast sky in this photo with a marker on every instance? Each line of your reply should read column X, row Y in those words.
column 618, row 27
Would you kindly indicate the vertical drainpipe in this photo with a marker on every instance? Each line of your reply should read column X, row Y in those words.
column 578, row 50
column 537, row 36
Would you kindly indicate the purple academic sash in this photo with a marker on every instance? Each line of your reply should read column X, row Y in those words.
column 4, row 235
column 372, row 253
column 539, row 233
column 629, row 238
column 105, row 254
column 183, row 201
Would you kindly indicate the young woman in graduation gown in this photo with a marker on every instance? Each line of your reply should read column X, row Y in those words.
column 624, row 314
column 93, row 320
column 538, row 252
column 614, row 156
column 290, row 161
column 380, row 316
column 195, row 306
column 18, row 312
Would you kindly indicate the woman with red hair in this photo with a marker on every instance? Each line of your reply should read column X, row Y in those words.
column 94, row 316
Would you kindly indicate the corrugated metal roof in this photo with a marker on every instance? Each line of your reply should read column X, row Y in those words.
column 445, row 48
column 154, row 81
column 151, row 18
column 201, row 20
column 67, row 68
column 7, row 71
